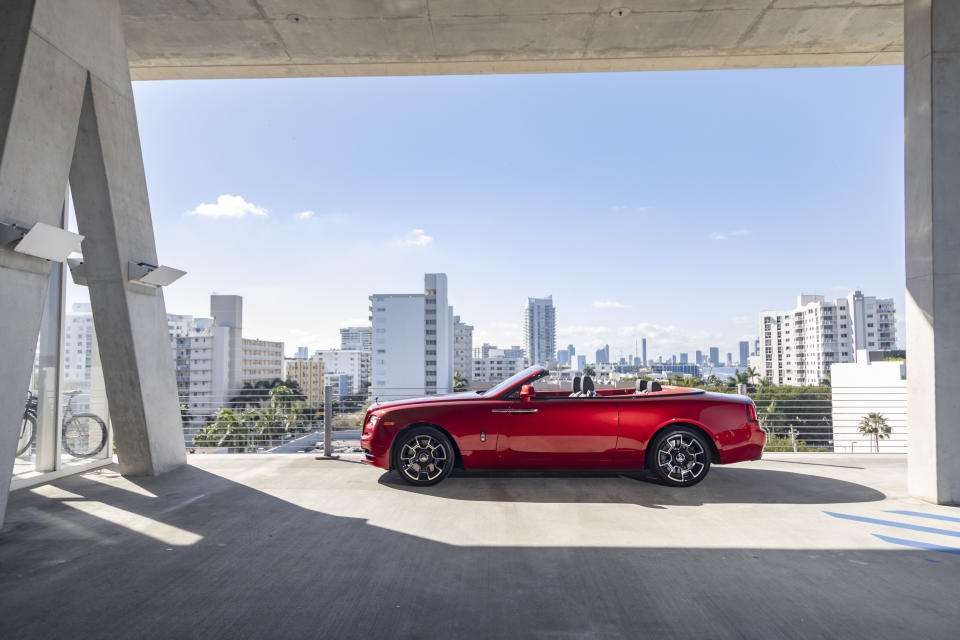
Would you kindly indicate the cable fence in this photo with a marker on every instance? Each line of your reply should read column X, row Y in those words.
column 850, row 420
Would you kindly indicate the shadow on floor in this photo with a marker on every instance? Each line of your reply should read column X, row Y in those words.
column 722, row 485
column 192, row 554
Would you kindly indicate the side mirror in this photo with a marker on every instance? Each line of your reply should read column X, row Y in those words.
column 527, row 393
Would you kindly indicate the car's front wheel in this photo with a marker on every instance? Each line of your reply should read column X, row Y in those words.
column 423, row 456
column 680, row 457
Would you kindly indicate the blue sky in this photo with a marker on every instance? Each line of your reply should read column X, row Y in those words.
column 667, row 205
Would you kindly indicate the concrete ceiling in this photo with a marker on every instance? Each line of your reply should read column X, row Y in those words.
column 287, row 38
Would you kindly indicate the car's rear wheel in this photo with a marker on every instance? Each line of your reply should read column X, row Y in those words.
column 680, row 457
column 423, row 456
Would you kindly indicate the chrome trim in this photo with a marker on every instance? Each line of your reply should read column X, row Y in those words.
column 515, row 410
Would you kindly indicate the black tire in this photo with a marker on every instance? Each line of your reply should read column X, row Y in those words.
column 679, row 457
column 28, row 433
column 84, row 435
column 423, row 456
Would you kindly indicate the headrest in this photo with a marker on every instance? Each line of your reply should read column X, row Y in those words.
column 576, row 384
column 587, row 384
column 641, row 385
column 654, row 386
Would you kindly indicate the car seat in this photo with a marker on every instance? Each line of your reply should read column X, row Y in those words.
column 641, row 386
column 588, row 388
column 653, row 386
column 576, row 387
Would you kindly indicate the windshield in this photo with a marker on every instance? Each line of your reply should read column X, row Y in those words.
column 529, row 375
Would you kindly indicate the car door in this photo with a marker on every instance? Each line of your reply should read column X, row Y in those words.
column 561, row 433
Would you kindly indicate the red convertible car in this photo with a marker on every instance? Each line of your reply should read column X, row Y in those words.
column 675, row 432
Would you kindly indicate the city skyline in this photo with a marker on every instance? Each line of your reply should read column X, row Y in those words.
column 673, row 231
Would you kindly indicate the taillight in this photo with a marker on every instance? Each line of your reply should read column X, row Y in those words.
column 751, row 412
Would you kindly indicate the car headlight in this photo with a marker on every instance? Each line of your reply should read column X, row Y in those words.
column 373, row 420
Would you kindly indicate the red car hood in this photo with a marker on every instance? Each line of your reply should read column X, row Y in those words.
column 392, row 404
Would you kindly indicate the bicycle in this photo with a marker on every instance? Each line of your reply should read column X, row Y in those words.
column 84, row 435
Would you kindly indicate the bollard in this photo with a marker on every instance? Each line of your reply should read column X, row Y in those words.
column 327, row 425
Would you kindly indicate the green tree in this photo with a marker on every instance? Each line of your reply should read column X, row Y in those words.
column 752, row 374
column 229, row 429
column 875, row 424
column 459, row 382
column 589, row 370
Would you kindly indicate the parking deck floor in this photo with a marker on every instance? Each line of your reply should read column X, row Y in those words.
column 286, row 546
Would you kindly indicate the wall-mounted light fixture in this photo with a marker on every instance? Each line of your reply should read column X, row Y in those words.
column 152, row 275
column 40, row 241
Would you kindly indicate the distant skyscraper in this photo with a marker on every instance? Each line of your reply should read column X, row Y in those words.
column 699, row 357
column 744, row 352
column 683, row 358
column 715, row 356
column 729, row 359
column 603, row 355
column 643, row 352
column 302, row 353
column 540, row 330
column 563, row 356
column 571, row 350
column 581, row 363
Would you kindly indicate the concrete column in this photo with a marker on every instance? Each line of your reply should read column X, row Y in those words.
column 932, row 95
column 66, row 107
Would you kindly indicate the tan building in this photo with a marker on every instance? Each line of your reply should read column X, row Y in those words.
column 308, row 373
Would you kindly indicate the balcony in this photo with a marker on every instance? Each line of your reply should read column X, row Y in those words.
column 288, row 546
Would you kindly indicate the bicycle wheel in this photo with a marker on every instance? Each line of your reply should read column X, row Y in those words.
column 84, row 435
column 28, row 432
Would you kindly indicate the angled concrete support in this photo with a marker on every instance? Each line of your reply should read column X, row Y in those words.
column 932, row 95
column 66, row 108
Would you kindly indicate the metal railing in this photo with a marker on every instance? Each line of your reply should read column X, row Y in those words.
column 797, row 419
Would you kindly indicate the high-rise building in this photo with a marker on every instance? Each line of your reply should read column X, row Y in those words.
column 683, row 358
column 744, row 353
column 729, row 359
column 540, row 330
column 463, row 348
column 356, row 338
column 699, row 356
column 412, row 341
column 214, row 360
column 715, row 356
column 798, row 346
column 643, row 352
column 603, row 355
column 563, row 356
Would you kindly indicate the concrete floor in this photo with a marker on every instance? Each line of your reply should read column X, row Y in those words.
column 285, row 546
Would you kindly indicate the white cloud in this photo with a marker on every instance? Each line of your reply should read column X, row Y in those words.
column 227, row 206
column 726, row 235
column 304, row 215
column 609, row 304
column 415, row 238
column 742, row 320
column 355, row 322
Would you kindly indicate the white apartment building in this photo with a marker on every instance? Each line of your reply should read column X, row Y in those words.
column 79, row 343
column 463, row 348
column 356, row 338
column 540, row 330
column 797, row 347
column 214, row 360
column 495, row 368
column 355, row 364
column 412, row 341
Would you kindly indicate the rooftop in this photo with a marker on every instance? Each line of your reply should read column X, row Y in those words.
column 288, row 546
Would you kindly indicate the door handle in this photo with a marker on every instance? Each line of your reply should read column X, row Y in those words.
column 515, row 410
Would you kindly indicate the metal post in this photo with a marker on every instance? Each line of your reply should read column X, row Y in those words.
column 327, row 425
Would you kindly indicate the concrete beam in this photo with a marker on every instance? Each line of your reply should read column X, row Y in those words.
column 66, row 106
column 932, row 109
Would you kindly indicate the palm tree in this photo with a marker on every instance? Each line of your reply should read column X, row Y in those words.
column 589, row 370
column 459, row 382
column 875, row 424
column 751, row 374
column 765, row 382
